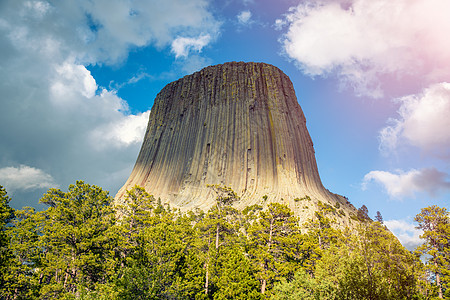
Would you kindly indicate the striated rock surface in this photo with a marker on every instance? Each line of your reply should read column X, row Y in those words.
column 236, row 124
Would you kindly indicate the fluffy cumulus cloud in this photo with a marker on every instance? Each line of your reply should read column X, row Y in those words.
column 406, row 232
column 407, row 184
column 182, row 46
column 363, row 41
column 379, row 48
column 26, row 178
column 103, row 31
column 71, row 80
column 54, row 116
column 423, row 122
column 122, row 132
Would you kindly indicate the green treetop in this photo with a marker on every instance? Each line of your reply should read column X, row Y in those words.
column 6, row 214
column 435, row 223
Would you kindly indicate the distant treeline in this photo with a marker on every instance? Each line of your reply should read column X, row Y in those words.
column 85, row 247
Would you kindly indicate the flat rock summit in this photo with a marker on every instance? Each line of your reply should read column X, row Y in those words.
column 239, row 125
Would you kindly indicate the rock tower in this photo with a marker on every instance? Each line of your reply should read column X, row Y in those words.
column 236, row 124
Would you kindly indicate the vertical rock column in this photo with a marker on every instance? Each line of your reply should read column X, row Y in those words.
column 236, row 124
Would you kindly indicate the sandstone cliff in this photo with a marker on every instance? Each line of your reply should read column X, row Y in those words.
column 236, row 124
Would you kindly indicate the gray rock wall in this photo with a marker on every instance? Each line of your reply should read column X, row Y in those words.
column 237, row 124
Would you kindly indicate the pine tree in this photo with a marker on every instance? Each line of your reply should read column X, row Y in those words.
column 371, row 264
column 273, row 244
column 6, row 214
column 135, row 213
column 76, row 240
column 302, row 286
column 214, row 229
column 320, row 236
column 435, row 223
column 363, row 214
column 389, row 270
column 157, row 242
column 379, row 217
column 236, row 279
column 24, row 276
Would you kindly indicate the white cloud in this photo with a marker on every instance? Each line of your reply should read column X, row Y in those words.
column 73, row 89
column 182, row 46
column 244, row 17
column 104, row 30
column 71, row 78
column 362, row 41
column 423, row 122
column 408, row 183
column 52, row 106
column 25, row 178
column 406, row 232
column 122, row 132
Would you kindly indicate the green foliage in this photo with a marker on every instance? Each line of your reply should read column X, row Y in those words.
column 435, row 223
column 371, row 265
column 225, row 195
column 85, row 247
column 306, row 198
column 363, row 214
column 162, row 266
column 76, row 238
column 301, row 287
column 6, row 214
column 64, row 248
column 157, row 261
column 22, row 280
column 321, row 235
column 216, row 230
column 325, row 207
column 272, row 245
column 378, row 266
column 236, row 280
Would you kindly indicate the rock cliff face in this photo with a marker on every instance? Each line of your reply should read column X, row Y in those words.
column 237, row 124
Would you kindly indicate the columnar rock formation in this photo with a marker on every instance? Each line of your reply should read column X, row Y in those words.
column 236, row 124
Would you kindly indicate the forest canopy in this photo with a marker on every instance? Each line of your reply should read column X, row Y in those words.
column 85, row 247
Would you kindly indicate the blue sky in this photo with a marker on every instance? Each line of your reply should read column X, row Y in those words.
column 78, row 78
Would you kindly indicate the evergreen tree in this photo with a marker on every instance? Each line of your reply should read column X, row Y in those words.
column 24, row 275
column 236, row 280
column 379, row 217
column 381, row 267
column 363, row 214
column 369, row 265
column 6, row 214
column 75, row 240
column 302, row 286
column 214, row 230
column 158, row 244
column 162, row 265
column 82, row 247
column 435, row 223
column 273, row 244
column 135, row 213
column 320, row 236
